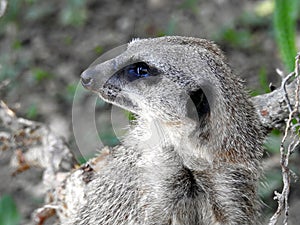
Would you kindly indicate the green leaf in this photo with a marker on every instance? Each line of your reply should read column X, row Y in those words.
column 237, row 38
column 32, row 112
column 130, row 115
column 284, row 20
column 9, row 214
column 17, row 45
column 98, row 49
column 40, row 74
column 81, row 160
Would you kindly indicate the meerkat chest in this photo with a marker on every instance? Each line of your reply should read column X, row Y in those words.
column 171, row 195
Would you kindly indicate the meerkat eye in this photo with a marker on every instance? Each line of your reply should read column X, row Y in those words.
column 137, row 70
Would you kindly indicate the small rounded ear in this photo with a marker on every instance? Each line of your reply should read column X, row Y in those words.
column 198, row 107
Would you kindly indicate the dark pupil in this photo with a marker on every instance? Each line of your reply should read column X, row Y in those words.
column 139, row 70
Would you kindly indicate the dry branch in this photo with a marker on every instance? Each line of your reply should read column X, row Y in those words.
column 34, row 145
column 272, row 107
column 286, row 149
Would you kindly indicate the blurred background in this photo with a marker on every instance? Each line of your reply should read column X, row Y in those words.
column 45, row 45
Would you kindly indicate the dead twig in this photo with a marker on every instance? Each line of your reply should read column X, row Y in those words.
column 292, row 127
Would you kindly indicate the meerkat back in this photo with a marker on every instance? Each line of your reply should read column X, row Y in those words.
column 193, row 155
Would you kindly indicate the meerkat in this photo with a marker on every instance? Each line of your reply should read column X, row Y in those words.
column 192, row 156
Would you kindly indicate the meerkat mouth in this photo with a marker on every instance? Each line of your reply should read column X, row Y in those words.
column 120, row 101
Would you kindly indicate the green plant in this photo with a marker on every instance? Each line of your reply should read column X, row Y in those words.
column 40, row 74
column 82, row 160
column 32, row 112
column 17, row 45
column 235, row 37
column 98, row 49
column 9, row 214
column 130, row 115
column 285, row 16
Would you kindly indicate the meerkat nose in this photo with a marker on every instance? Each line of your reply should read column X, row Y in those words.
column 86, row 78
column 86, row 81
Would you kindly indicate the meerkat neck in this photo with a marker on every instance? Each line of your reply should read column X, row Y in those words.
column 181, row 138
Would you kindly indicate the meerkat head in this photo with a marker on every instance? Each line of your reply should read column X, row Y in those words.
column 179, row 79
column 166, row 78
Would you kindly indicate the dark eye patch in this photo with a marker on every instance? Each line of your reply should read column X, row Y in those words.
column 128, row 74
column 139, row 70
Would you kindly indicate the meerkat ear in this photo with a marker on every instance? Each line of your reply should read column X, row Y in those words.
column 198, row 107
